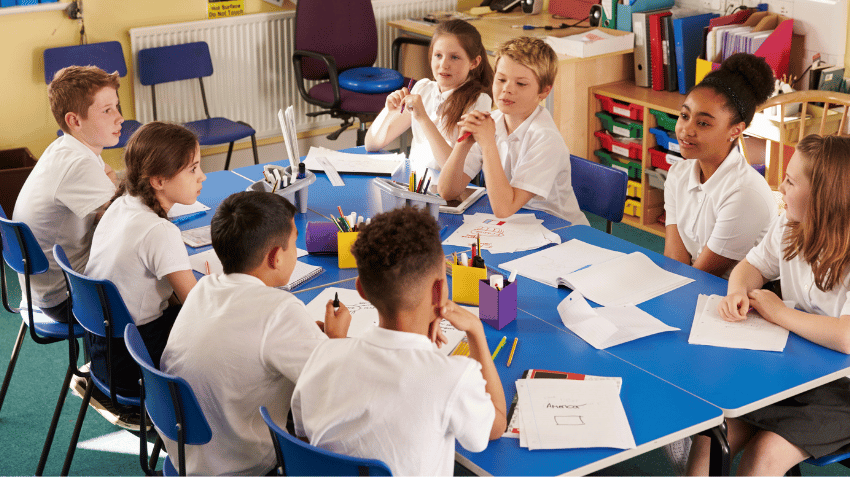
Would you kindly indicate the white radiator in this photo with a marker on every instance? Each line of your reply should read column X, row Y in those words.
column 252, row 62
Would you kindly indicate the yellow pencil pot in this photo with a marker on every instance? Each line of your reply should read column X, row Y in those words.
column 465, row 283
column 344, row 242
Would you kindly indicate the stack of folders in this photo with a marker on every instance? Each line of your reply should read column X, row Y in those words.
column 567, row 411
column 606, row 277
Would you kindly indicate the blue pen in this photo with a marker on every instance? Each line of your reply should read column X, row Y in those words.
column 187, row 217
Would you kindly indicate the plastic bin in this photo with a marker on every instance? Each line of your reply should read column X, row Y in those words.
column 634, row 188
column 295, row 193
column 394, row 196
column 632, row 207
column 663, row 160
column 628, row 149
column 665, row 139
column 620, row 126
column 656, row 177
column 666, row 121
column 619, row 108
column 631, row 167
column 15, row 166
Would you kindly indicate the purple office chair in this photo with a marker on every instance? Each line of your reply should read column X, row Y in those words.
column 336, row 43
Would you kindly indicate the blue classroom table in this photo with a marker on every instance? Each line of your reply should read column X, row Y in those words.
column 658, row 411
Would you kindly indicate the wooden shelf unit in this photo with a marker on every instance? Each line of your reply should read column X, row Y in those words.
column 652, row 199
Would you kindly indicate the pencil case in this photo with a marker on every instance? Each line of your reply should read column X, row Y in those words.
column 465, row 283
column 296, row 193
column 321, row 237
column 497, row 308
column 344, row 242
column 393, row 195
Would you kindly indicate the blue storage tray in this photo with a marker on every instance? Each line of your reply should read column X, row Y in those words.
column 665, row 139
column 624, row 12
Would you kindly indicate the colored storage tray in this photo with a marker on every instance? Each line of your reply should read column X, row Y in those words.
column 663, row 160
column 619, row 108
column 656, row 177
column 620, row 126
column 631, row 167
column 617, row 145
column 666, row 139
column 632, row 207
column 666, row 121
column 634, row 189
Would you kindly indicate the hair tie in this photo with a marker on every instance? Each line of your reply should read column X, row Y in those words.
column 716, row 82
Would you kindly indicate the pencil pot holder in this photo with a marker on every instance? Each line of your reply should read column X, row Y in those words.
column 321, row 237
column 296, row 192
column 497, row 307
column 344, row 242
column 465, row 283
column 391, row 195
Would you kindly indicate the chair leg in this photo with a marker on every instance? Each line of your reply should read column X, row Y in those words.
column 254, row 147
column 157, row 447
column 12, row 362
column 57, row 412
column 72, row 447
column 361, row 134
column 229, row 152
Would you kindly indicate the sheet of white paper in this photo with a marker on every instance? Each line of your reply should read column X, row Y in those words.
column 514, row 234
column 754, row 333
column 330, row 171
column 547, row 266
column 632, row 323
column 382, row 164
column 287, row 128
column 581, row 318
column 364, row 315
column 562, row 414
column 178, row 209
column 199, row 262
column 613, row 283
column 197, row 237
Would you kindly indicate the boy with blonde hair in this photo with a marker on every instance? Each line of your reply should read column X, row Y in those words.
column 71, row 186
column 525, row 161
column 390, row 395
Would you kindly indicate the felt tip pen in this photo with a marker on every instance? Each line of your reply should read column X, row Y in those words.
column 498, row 348
column 336, row 304
column 464, row 259
column 187, row 217
column 302, row 170
column 409, row 86
column 464, row 136
column 513, row 349
column 512, row 277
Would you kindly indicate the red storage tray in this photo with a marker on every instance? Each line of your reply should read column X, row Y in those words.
column 614, row 145
column 631, row 111
column 662, row 159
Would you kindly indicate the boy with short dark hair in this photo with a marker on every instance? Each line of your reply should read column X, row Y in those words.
column 71, row 185
column 239, row 342
column 525, row 160
column 390, row 395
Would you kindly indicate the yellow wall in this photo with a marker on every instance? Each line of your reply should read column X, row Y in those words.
column 25, row 118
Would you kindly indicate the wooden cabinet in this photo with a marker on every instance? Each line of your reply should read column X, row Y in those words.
column 648, row 203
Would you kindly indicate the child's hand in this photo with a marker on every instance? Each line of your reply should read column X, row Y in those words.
column 336, row 322
column 461, row 318
column 396, row 99
column 435, row 333
column 413, row 104
column 767, row 303
column 480, row 124
column 734, row 307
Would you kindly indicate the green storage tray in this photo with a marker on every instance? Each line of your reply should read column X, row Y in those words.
column 666, row 121
column 632, row 167
column 620, row 126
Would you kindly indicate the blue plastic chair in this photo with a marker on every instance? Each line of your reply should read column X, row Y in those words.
column 97, row 305
column 599, row 189
column 24, row 255
column 297, row 458
column 172, row 407
column 184, row 62
column 107, row 56
column 842, row 459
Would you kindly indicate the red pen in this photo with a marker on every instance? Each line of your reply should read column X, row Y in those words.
column 409, row 86
column 464, row 136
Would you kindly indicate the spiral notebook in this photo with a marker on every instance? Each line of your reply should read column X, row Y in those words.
column 302, row 273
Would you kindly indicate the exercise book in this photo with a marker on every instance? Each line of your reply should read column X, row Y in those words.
column 301, row 274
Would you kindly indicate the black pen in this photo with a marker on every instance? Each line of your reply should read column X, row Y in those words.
column 336, row 301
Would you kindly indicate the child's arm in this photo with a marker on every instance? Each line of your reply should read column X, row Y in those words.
column 478, row 350
column 336, row 322
column 390, row 123
column 182, row 282
column 713, row 263
column 504, row 198
column 744, row 278
column 453, row 180
column 832, row 333
column 674, row 247
column 439, row 146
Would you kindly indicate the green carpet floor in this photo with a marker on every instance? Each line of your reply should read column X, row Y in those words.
column 26, row 413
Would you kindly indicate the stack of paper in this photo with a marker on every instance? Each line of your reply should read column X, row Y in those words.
column 364, row 315
column 374, row 164
column 178, row 210
column 606, row 277
column 503, row 235
column 754, row 333
column 608, row 326
column 567, row 414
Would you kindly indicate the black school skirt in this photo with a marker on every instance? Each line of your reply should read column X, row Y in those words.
column 817, row 421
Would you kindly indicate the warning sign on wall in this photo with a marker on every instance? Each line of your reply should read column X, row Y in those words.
column 225, row 8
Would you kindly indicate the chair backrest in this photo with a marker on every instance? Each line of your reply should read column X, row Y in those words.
column 599, row 189
column 96, row 303
column 107, row 56
column 297, row 458
column 20, row 248
column 173, row 63
column 343, row 29
column 168, row 398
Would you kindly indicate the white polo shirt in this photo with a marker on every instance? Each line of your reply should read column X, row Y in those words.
column 392, row 396
column 798, row 281
column 535, row 159
column 240, row 345
column 135, row 249
column 729, row 213
column 58, row 202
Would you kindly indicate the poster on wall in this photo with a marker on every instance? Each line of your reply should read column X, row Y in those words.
column 225, row 8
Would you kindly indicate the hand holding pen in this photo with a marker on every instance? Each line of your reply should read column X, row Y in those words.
column 476, row 123
column 403, row 93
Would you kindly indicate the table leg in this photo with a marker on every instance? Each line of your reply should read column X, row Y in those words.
column 720, row 458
